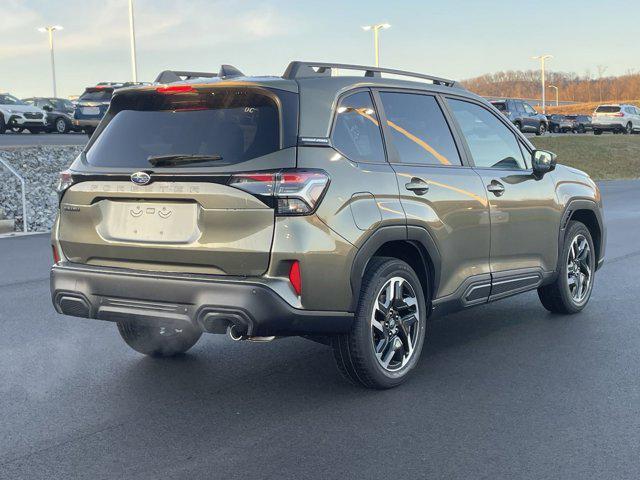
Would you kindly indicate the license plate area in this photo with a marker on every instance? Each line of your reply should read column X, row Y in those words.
column 91, row 110
column 149, row 222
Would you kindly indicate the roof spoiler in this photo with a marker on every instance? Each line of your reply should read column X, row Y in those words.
column 300, row 69
column 170, row 76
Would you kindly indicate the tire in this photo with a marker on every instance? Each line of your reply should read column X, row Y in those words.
column 518, row 126
column 597, row 132
column 559, row 296
column 3, row 126
column 542, row 128
column 628, row 130
column 158, row 341
column 355, row 353
column 556, row 129
column 61, row 125
column 89, row 131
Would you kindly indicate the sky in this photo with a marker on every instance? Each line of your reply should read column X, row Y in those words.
column 450, row 38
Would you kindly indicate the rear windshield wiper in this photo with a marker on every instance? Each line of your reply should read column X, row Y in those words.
column 180, row 159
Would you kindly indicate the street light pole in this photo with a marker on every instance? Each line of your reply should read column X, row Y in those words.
column 376, row 41
column 542, row 59
column 132, row 38
column 49, row 29
column 557, row 97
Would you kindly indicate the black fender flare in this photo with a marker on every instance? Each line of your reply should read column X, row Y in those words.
column 567, row 214
column 419, row 236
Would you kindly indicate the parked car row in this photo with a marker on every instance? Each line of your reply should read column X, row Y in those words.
column 47, row 114
column 616, row 118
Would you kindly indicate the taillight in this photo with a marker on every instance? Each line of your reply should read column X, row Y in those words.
column 175, row 89
column 65, row 180
column 295, row 277
column 291, row 192
column 621, row 114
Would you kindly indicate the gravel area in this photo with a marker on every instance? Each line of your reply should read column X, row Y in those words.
column 39, row 166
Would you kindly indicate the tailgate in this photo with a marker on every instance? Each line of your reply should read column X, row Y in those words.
column 166, row 226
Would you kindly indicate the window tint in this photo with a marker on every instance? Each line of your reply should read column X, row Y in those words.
column 608, row 109
column 419, row 130
column 491, row 143
column 529, row 109
column 500, row 106
column 357, row 130
column 236, row 124
column 96, row 95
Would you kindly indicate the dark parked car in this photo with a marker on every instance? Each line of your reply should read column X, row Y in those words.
column 59, row 113
column 561, row 124
column 582, row 123
column 93, row 104
column 330, row 207
column 523, row 115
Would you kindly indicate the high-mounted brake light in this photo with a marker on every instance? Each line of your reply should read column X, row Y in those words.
column 295, row 277
column 294, row 192
column 175, row 89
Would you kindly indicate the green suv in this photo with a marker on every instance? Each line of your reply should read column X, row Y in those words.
column 349, row 210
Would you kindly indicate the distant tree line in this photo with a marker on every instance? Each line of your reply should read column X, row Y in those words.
column 573, row 87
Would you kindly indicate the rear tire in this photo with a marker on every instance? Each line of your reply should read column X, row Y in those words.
column 89, row 131
column 388, row 332
column 158, row 341
column 518, row 126
column 542, row 128
column 3, row 127
column 597, row 132
column 571, row 290
column 628, row 130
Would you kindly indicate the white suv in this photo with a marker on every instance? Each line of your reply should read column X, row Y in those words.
column 616, row 118
column 17, row 115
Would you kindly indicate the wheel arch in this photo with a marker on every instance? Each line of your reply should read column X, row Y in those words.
column 413, row 245
column 588, row 213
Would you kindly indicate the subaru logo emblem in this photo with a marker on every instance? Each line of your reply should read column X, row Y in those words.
column 140, row 178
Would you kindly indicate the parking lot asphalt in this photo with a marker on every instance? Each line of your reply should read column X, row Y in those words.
column 505, row 390
column 28, row 139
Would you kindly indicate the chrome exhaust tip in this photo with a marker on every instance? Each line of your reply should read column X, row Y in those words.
column 235, row 334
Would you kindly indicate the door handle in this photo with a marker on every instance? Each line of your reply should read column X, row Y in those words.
column 496, row 188
column 417, row 186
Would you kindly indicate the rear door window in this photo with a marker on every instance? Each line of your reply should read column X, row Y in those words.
column 419, row 130
column 491, row 143
column 356, row 132
column 237, row 124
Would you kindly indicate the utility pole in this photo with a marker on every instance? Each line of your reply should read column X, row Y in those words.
column 557, row 97
column 542, row 59
column 49, row 29
column 376, row 41
column 132, row 38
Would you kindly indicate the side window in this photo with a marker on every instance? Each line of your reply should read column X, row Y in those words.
column 29, row 101
column 419, row 130
column 529, row 109
column 519, row 107
column 491, row 143
column 356, row 132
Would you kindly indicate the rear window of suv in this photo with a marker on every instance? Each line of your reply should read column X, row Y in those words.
column 502, row 106
column 93, row 95
column 607, row 109
column 237, row 124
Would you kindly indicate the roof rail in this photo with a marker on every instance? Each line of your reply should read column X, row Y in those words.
column 299, row 69
column 170, row 76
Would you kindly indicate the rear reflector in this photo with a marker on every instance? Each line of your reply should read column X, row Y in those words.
column 56, row 255
column 294, row 277
column 175, row 89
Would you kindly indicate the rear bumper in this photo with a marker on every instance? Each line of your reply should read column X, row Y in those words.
column 85, row 122
column 212, row 303
column 608, row 127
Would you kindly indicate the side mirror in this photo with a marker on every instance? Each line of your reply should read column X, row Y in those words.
column 542, row 162
column 47, row 108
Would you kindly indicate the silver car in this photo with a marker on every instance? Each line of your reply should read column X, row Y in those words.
column 616, row 118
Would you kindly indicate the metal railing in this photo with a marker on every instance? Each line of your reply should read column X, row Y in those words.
column 24, row 193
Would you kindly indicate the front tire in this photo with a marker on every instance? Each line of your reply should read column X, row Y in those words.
column 597, row 132
column 542, row 128
column 388, row 332
column 61, row 125
column 158, row 341
column 571, row 290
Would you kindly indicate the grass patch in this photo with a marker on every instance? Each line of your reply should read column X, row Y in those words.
column 604, row 157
